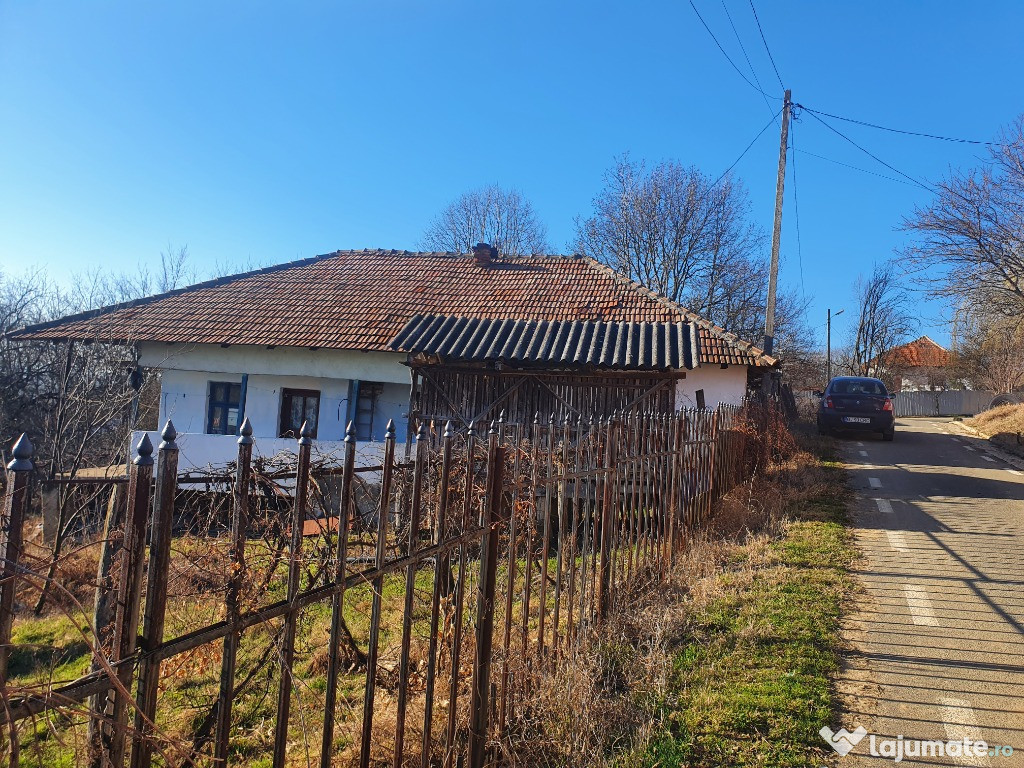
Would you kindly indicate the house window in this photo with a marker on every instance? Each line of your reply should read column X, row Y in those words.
column 700, row 398
column 222, row 414
column 297, row 406
column 366, row 407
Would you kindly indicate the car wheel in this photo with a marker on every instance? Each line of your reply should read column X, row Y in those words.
column 888, row 436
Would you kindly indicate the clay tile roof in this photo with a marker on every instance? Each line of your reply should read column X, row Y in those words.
column 922, row 352
column 361, row 299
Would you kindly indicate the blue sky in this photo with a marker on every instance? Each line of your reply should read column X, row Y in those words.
column 259, row 133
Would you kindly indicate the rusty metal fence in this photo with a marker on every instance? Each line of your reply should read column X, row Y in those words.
column 396, row 614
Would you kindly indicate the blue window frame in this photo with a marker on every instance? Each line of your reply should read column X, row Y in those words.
column 223, row 409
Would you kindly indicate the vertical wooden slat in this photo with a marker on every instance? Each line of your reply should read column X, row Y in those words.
column 129, row 593
column 338, row 601
column 604, row 584
column 232, row 597
column 287, row 658
column 442, row 578
column 419, row 469
column 479, row 705
column 156, row 596
column 542, row 597
column 511, row 563
column 15, row 506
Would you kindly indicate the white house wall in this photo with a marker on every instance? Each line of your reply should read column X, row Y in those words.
column 720, row 385
column 187, row 372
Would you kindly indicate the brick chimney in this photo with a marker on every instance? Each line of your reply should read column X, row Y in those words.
column 484, row 254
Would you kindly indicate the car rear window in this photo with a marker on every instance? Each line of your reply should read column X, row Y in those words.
column 858, row 387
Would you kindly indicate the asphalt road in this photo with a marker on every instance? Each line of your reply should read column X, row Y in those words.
column 936, row 632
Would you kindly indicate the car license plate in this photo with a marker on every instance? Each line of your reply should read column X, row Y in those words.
column 856, row 419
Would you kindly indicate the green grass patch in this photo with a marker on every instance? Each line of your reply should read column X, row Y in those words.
column 751, row 683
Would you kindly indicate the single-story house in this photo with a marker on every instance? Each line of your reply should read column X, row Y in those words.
column 373, row 335
column 921, row 365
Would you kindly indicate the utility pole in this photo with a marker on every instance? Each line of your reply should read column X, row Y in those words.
column 780, row 182
column 828, row 344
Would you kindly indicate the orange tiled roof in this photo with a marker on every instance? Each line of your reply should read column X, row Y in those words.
column 361, row 299
column 922, row 352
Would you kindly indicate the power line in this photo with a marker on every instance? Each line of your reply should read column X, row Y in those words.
column 766, row 127
column 876, row 158
column 796, row 211
column 727, row 57
column 898, row 130
column 769, row 50
column 855, row 168
column 745, row 56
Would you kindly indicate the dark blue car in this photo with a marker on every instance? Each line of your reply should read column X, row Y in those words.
column 856, row 404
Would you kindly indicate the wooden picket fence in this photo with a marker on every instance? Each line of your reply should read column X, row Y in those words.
column 504, row 552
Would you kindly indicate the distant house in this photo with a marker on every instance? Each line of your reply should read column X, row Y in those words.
column 919, row 366
column 368, row 336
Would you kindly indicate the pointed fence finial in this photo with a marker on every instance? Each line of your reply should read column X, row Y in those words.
column 389, row 431
column 471, row 429
column 245, row 432
column 144, row 452
column 448, row 430
column 23, row 450
column 501, row 416
column 494, row 428
column 350, row 432
column 421, row 431
column 306, row 434
column 167, row 437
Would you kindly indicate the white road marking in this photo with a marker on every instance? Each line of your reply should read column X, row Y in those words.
column 896, row 541
column 968, row 448
column 884, row 506
column 920, row 606
column 988, row 458
column 863, row 453
column 874, row 482
column 961, row 722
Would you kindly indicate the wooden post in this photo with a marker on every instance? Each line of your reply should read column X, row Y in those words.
column 338, row 602
column 156, row 596
column 16, row 500
column 479, row 710
column 780, row 182
column 604, row 584
column 129, row 595
column 284, row 689
column 239, row 526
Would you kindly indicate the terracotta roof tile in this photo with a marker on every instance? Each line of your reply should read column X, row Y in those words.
column 362, row 299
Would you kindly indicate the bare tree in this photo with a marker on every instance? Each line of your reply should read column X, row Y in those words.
column 503, row 218
column 971, row 236
column 883, row 322
column 674, row 230
column 989, row 348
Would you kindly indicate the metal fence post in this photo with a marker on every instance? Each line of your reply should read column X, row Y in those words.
column 16, row 500
column 479, row 703
column 232, row 601
column 284, row 689
column 156, row 596
column 338, row 602
column 129, row 593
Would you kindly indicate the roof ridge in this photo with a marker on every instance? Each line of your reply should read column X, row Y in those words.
column 216, row 282
column 715, row 330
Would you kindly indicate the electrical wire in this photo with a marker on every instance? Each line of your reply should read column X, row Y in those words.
column 854, row 167
column 898, row 130
column 769, row 50
column 874, row 157
column 766, row 127
column 727, row 57
column 796, row 211
column 745, row 56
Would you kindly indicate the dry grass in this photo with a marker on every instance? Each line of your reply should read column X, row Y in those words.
column 640, row 698
column 1005, row 418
